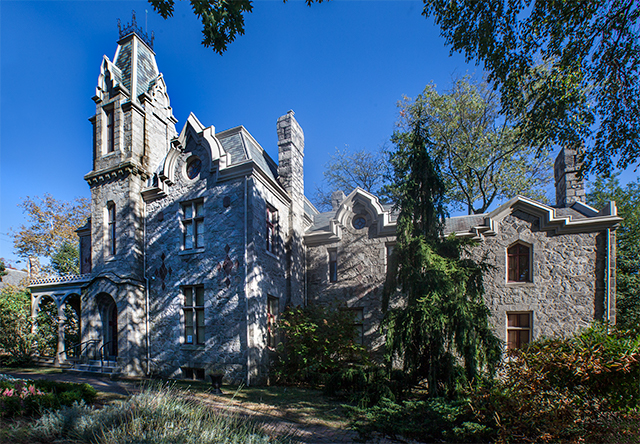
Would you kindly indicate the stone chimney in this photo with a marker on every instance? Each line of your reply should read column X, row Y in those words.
column 337, row 197
column 291, row 177
column 569, row 186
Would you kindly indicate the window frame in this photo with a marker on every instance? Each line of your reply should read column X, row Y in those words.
column 333, row 264
column 517, row 316
column 192, row 240
column 194, row 319
column 271, row 229
column 358, row 322
column 513, row 263
column 111, row 228
column 110, row 133
column 273, row 313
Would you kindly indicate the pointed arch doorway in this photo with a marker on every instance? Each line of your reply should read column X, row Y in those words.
column 109, row 321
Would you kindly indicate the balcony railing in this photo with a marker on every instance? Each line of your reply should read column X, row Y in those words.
column 68, row 279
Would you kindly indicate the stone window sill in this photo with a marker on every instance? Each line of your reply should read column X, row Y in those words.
column 192, row 251
column 194, row 347
column 271, row 254
column 520, row 284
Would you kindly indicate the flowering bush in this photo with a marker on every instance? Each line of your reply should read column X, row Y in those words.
column 24, row 397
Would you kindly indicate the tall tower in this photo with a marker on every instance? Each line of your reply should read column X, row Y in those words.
column 132, row 130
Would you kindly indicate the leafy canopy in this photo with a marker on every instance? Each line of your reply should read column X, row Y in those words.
column 442, row 318
column 567, row 71
column 51, row 224
column 483, row 157
column 627, row 199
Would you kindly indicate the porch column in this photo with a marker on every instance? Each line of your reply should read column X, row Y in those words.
column 61, row 355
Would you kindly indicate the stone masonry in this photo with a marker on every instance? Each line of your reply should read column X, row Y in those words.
column 198, row 240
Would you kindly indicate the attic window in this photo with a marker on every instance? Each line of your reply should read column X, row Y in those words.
column 193, row 168
column 359, row 222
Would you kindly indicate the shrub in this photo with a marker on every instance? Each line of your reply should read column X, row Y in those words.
column 318, row 341
column 563, row 389
column 27, row 398
column 16, row 339
column 430, row 420
column 153, row 416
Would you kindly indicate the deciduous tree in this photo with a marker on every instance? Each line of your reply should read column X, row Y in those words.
column 482, row 156
column 568, row 72
column 443, row 319
column 348, row 169
column 51, row 224
column 627, row 199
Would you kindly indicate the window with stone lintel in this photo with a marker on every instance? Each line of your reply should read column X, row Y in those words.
column 519, row 263
column 193, row 314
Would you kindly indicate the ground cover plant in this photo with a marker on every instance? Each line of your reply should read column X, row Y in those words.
column 156, row 415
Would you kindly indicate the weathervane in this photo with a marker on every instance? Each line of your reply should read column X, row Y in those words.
column 134, row 28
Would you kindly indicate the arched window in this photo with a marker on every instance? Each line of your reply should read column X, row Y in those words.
column 519, row 263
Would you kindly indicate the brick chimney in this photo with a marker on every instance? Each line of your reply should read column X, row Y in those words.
column 569, row 186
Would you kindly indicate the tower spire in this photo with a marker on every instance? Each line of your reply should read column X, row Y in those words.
column 133, row 27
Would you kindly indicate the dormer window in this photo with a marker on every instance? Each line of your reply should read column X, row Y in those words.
column 519, row 263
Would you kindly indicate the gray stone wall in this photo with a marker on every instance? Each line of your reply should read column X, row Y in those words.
column 563, row 295
column 362, row 266
column 219, row 266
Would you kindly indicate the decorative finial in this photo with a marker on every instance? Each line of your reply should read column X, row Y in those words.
column 133, row 28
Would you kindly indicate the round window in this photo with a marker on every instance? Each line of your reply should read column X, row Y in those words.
column 193, row 168
column 359, row 222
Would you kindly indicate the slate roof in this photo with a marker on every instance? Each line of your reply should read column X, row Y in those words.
column 145, row 67
column 241, row 146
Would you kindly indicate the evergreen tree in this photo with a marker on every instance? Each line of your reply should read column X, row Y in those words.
column 442, row 321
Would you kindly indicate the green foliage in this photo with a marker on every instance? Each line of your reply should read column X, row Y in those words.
column 66, row 260
column 482, row 156
column 16, row 339
column 627, row 246
column 51, row 225
column 367, row 385
column 163, row 416
column 47, row 328
column 563, row 389
column 28, row 398
column 443, row 320
column 318, row 341
column 3, row 270
column 432, row 420
column 568, row 72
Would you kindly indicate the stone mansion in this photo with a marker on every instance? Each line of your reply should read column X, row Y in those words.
column 199, row 239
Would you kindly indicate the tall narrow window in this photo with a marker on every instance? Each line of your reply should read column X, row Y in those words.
column 518, row 263
column 109, row 114
column 390, row 248
column 272, row 229
column 193, row 314
column 192, row 225
column 111, row 228
column 518, row 330
column 333, row 265
column 358, row 322
column 273, row 309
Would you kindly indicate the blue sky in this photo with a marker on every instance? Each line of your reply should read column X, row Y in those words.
column 341, row 66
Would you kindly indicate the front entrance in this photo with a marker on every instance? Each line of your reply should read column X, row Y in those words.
column 109, row 317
